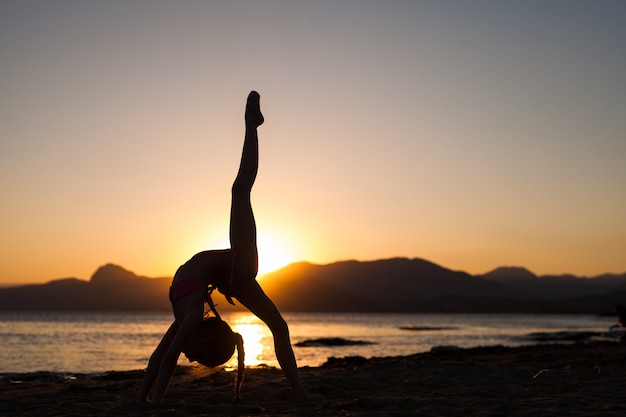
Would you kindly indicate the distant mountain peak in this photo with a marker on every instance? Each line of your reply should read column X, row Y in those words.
column 510, row 273
column 111, row 273
column 389, row 285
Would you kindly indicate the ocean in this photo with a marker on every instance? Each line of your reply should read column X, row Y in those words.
column 87, row 343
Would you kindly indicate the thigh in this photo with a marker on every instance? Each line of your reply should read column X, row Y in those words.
column 254, row 299
column 243, row 237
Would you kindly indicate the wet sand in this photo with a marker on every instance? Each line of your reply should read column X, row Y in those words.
column 542, row 380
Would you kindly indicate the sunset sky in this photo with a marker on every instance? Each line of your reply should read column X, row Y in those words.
column 474, row 134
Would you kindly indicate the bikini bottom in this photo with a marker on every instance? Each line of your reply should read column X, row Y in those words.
column 185, row 286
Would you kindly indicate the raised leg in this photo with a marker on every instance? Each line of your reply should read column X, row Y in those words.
column 243, row 240
column 242, row 224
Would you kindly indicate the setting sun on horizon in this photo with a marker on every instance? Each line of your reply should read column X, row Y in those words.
column 472, row 134
column 274, row 251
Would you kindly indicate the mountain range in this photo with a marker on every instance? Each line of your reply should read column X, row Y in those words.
column 388, row 285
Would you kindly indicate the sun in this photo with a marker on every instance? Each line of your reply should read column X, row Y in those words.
column 273, row 252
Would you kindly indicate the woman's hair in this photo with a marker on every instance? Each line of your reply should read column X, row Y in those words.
column 214, row 344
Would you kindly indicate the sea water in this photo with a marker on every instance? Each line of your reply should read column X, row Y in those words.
column 79, row 342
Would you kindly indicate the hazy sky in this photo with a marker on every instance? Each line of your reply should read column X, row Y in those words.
column 474, row 134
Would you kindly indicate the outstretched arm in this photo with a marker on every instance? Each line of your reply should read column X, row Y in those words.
column 155, row 362
column 191, row 310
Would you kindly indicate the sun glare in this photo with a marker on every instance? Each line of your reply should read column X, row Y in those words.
column 256, row 339
column 273, row 253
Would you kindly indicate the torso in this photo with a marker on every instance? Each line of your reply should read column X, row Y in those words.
column 209, row 267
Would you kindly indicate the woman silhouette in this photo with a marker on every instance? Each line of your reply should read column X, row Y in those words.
column 233, row 271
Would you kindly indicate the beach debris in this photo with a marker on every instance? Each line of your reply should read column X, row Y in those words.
column 331, row 341
column 543, row 371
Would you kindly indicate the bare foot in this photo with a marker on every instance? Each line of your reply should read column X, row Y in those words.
column 254, row 117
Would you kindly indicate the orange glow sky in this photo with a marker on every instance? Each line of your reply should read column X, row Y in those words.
column 473, row 134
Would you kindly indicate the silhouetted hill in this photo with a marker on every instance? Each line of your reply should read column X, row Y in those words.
column 523, row 284
column 416, row 285
column 386, row 285
column 393, row 285
column 110, row 288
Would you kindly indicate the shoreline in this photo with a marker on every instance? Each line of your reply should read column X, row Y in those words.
column 578, row 379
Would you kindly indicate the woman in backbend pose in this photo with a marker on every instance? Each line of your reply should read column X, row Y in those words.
column 233, row 271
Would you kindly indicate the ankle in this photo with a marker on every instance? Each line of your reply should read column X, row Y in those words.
column 251, row 125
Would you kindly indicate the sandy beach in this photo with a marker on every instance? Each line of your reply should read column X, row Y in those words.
column 543, row 380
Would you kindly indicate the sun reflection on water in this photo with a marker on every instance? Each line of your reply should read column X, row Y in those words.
column 100, row 342
column 257, row 339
